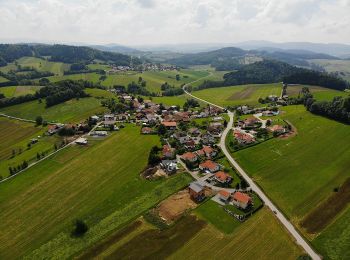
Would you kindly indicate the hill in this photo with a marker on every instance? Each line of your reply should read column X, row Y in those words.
column 60, row 53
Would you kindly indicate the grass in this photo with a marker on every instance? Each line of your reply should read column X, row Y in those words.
column 15, row 91
column 342, row 66
column 260, row 237
column 300, row 172
column 319, row 93
column 334, row 241
column 70, row 111
column 15, row 135
column 238, row 95
column 99, row 183
column 215, row 215
column 2, row 79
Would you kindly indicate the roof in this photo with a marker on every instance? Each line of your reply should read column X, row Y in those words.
column 224, row 193
column 207, row 149
column 222, row 176
column 167, row 149
column 276, row 128
column 188, row 156
column 196, row 187
column 241, row 197
column 170, row 124
column 146, row 129
column 243, row 136
column 209, row 164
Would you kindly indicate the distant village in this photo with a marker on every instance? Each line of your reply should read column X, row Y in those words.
column 142, row 67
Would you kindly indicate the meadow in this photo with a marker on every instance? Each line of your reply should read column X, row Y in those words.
column 15, row 91
column 319, row 93
column 14, row 136
column 340, row 66
column 239, row 95
column 99, row 183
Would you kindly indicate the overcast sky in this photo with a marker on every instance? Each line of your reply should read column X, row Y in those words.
column 136, row 22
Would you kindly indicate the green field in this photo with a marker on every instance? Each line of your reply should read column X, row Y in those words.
column 319, row 93
column 15, row 135
column 15, row 91
column 99, row 183
column 260, row 237
column 238, row 95
column 2, row 79
column 72, row 111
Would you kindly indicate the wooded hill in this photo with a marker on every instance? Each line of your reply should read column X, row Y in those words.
column 61, row 53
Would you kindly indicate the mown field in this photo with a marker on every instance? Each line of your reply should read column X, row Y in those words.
column 99, row 183
column 319, row 93
column 301, row 172
column 15, row 91
column 71, row 111
column 14, row 136
column 239, row 95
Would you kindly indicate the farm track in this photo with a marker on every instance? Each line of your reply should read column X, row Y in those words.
column 284, row 221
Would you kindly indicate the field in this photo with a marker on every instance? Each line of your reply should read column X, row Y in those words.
column 260, row 237
column 238, row 95
column 15, row 91
column 99, row 183
column 319, row 93
column 2, row 79
column 341, row 66
column 15, row 135
column 304, row 164
column 72, row 111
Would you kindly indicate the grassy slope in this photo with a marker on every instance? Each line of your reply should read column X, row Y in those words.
column 239, row 95
column 335, row 66
column 40, row 205
column 301, row 171
column 15, row 91
column 261, row 237
column 15, row 135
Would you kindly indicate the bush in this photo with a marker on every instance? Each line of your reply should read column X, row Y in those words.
column 80, row 228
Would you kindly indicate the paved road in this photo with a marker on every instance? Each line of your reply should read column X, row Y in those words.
column 285, row 222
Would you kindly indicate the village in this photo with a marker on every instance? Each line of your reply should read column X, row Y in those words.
column 189, row 139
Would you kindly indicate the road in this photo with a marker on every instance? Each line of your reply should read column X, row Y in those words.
column 284, row 221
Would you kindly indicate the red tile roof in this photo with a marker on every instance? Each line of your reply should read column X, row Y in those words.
column 208, row 165
column 241, row 197
column 222, row 176
column 189, row 156
column 169, row 124
column 276, row 128
column 224, row 193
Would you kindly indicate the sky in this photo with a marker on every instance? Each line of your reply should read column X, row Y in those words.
column 144, row 22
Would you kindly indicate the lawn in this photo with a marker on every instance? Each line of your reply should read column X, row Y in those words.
column 72, row 111
column 300, row 172
column 260, row 237
column 99, row 183
column 15, row 91
column 319, row 93
column 15, row 135
column 239, row 95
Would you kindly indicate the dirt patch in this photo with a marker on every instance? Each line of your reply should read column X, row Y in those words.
column 291, row 133
column 320, row 217
column 173, row 207
column 243, row 94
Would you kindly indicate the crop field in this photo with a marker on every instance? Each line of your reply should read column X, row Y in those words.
column 14, row 136
column 319, row 93
column 238, row 95
column 334, row 241
column 2, row 79
column 99, row 183
column 15, row 91
column 260, row 237
column 70, row 111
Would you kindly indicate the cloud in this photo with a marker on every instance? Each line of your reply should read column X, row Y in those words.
column 137, row 22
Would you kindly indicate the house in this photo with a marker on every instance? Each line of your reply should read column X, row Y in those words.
column 206, row 151
column 189, row 157
column 243, row 138
column 224, row 195
column 190, row 144
column 109, row 123
column 209, row 166
column 208, row 139
column 169, row 125
column 94, row 118
column 278, row 129
column 52, row 129
column 182, row 116
column 99, row 133
column 182, row 137
column 194, row 131
column 222, row 177
column 146, row 130
column 170, row 166
column 127, row 98
column 217, row 118
column 272, row 98
column 168, row 152
column 197, row 191
column 122, row 117
column 250, row 122
column 109, row 117
column 81, row 141
column 241, row 200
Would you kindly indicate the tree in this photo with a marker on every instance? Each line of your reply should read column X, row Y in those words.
column 38, row 156
column 39, row 120
column 29, row 145
column 177, row 77
column 13, row 152
column 153, row 157
column 24, row 164
column 162, row 129
column 80, row 228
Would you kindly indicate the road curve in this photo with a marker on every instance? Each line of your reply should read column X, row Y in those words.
column 285, row 222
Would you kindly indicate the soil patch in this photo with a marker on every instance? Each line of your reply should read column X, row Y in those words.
column 243, row 94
